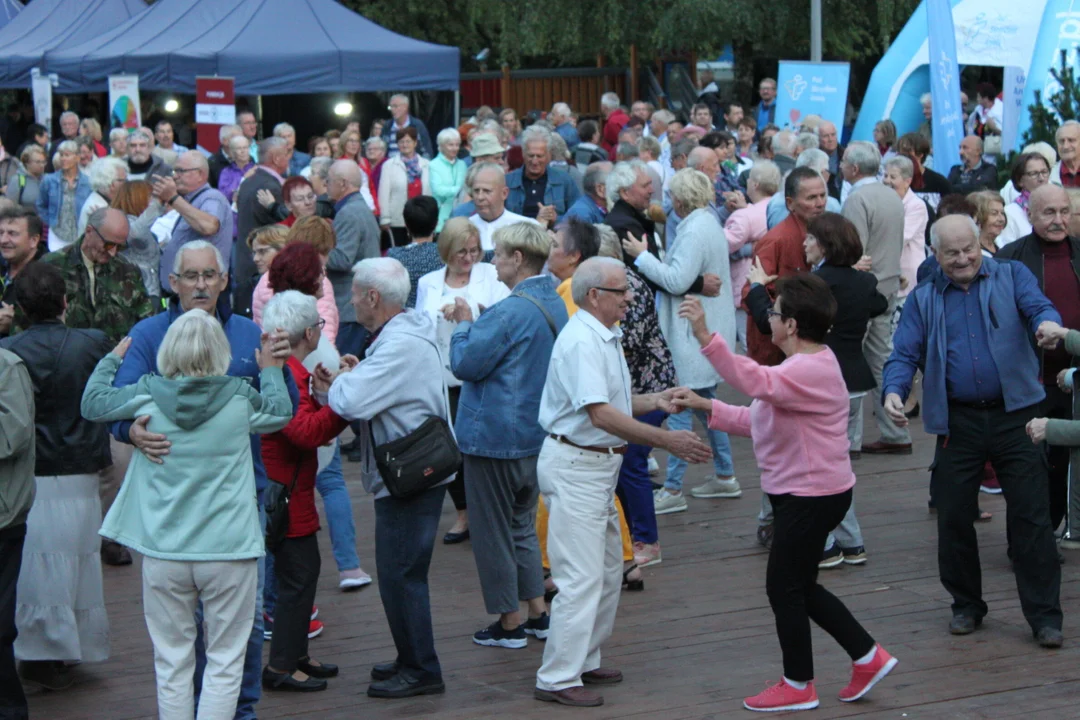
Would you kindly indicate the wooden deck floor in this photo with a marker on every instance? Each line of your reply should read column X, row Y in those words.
column 691, row 646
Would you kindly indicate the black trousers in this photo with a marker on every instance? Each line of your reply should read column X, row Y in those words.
column 1057, row 405
column 994, row 434
column 12, row 700
column 296, row 564
column 457, row 487
column 800, row 526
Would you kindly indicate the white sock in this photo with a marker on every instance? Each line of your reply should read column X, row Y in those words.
column 796, row 685
column 865, row 659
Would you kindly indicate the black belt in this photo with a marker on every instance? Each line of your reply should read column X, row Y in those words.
column 979, row 404
column 620, row 450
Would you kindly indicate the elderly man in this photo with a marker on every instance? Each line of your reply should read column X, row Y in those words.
column 538, row 190
column 592, row 205
column 560, row 118
column 588, row 412
column 785, row 149
column 20, row 245
column 970, row 329
column 399, row 111
column 658, row 128
column 817, row 160
column 766, row 109
column 220, row 159
column 249, row 126
column 1053, row 257
column 205, row 214
column 878, row 214
column 107, row 176
column 489, row 193
column 972, row 174
column 252, row 214
column 142, row 163
column 829, row 143
column 69, row 130
column 198, row 280
column 1067, row 170
column 615, row 119
column 405, row 528
column 297, row 160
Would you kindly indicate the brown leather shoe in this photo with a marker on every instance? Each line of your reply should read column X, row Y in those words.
column 572, row 696
column 884, row 448
column 602, row 676
column 113, row 553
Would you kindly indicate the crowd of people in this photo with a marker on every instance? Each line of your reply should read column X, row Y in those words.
column 514, row 316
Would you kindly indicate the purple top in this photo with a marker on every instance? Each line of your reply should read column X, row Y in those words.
column 230, row 179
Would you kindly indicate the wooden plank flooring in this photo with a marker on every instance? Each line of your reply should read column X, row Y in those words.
column 691, row 646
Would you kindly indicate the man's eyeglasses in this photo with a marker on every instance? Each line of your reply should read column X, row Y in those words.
column 617, row 291
column 776, row 314
column 109, row 244
column 191, row 277
column 180, row 170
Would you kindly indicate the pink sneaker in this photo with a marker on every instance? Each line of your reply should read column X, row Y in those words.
column 864, row 677
column 782, row 696
column 646, row 555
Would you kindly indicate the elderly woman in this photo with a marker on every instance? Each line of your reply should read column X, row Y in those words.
column 61, row 606
column 300, row 201
column 272, row 240
column 447, row 173
column 899, row 171
column 193, row 518
column 291, row 459
column 990, row 217
column 118, row 138
column 91, row 128
column 143, row 247
column 477, row 285
column 62, row 195
column 24, row 186
column 798, row 421
column 404, row 176
column 421, row 255
column 107, row 175
column 745, row 227
column 700, row 250
column 372, row 164
column 239, row 152
column 1029, row 171
column 502, row 356
column 372, row 391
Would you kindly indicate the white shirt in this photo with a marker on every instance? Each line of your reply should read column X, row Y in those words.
column 587, row 368
column 487, row 229
column 995, row 113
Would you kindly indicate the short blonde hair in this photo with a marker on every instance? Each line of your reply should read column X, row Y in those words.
column 982, row 201
column 273, row 235
column 316, row 232
column 455, row 233
column 609, row 242
column 194, row 346
column 528, row 238
column 692, row 188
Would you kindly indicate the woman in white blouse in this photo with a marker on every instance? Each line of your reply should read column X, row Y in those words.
column 1029, row 171
column 464, row 280
column 404, row 176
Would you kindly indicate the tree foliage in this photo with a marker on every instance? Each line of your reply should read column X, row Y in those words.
column 1063, row 104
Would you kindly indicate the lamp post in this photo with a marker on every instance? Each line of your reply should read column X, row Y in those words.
column 815, row 30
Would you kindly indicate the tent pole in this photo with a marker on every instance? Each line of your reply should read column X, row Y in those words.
column 457, row 108
column 815, row 30
column 258, row 107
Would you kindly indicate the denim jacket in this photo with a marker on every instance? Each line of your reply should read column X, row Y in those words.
column 51, row 196
column 502, row 359
column 560, row 191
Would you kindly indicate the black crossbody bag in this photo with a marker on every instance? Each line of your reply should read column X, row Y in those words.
column 276, row 504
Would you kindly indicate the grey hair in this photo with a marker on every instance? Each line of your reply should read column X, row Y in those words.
column 103, row 172
column 377, row 140
column 621, row 177
column 807, row 141
column 692, row 189
column 609, row 100
column 901, row 163
column 477, row 168
column 116, row 133
column 926, row 99
column 536, row 134
column 610, row 247
column 665, row 116
column 283, row 127
column 864, row 157
column 69, row 113
column 320, row 167
column 559, row 151
column 268, row 145
column 814, row 159
column 194, row 346
column 291, row 311
column 446, row 135
column 386, row 275
column 595, row 174
column 626, row 150
column 239, row 137
column 682, row 148
column 651, row 145
column 347, row 170
column 227, row 131
column 767, row 176
column 1066, row 124
column 561, row 108
column 935, row 238
column 144, row 133
column 67, row 146
column 178, row 261
column 401, row 96
column 96, row 218
column 784, row 142
column 590, row 274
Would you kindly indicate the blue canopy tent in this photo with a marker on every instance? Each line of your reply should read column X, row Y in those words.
column 8, row 10
column 46, row 24
column 270, row 47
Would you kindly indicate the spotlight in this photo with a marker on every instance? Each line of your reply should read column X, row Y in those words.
column 171, row 105
column 342, row 109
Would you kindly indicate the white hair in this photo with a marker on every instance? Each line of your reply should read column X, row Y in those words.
column 227, row 131
column 320, row 167
column 1066, row 124
column 560, row 108
column 446, row 135
column 386, row 275
column 270, row 144
column 926, row 99
column 103, row 172
column 66, row 146
column 665, row 116
column 117, row 133
column 476, row 168
column 814, row 159
column 144, row 133
column 935, row 238
column 346, row 170
column 375, row 140
column 621, row 177
column 609, row 101
column 237, row 138
column 901, row 163
column 283, row 127
column 692, row 189
column 68, row 113
column 401, row 97
column 178, row 261
column 536, row 134
column 590, row 274
column 767, row 176
column 194, row 346
column 864, row 157
column 291, row 311
column 807, row 140
column 784, row 142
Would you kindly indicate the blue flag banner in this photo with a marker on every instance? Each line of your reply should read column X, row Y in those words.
column 809, row 88
column 948, row 117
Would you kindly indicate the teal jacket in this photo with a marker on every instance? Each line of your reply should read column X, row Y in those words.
column 200, row 503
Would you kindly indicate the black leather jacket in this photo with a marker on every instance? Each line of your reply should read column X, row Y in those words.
column 60, row 361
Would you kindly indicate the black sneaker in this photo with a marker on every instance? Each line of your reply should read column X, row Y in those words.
column 854, row 555
column 832, row 557
column 495, row 636
column 538, row 627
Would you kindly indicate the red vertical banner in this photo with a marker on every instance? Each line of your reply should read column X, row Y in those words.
column 215, row 105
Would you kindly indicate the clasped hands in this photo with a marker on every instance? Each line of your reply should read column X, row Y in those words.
column 323, row 377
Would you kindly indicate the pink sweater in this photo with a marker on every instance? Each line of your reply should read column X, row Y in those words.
column 798, row 419
column 746, row 225
column 327, row 305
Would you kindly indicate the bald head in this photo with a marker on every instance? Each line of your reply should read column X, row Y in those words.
column 955, row 239
column 488, row 190
column 705, row 160
column 343, row 179
column 1049, row 210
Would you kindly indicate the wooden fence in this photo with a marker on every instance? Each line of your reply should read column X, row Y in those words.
column 526, row 90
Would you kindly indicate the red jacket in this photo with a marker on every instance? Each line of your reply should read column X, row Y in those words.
column 781, row 252
column 614, row 124
column 292, row 450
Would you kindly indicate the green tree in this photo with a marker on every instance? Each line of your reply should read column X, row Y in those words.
column 1062, row 105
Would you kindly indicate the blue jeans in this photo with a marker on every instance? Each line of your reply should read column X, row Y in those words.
column 635, row 486
column 404, row 539
column 721, row 446
column 251, row 685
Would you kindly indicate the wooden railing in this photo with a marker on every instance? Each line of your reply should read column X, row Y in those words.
column 526, row 90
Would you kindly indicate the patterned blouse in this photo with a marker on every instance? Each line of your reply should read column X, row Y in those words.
column 647, row 355
column 419, row 259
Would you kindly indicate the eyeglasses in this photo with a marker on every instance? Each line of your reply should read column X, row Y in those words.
column 466, row 252
column 319, row 325
column 776, row 314
column 180, row 170
column 109, row 244
column 192, row 277
column 1037, row 174
column 617, row 291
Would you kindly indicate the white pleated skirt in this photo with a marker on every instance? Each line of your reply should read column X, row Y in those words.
column 60, row 608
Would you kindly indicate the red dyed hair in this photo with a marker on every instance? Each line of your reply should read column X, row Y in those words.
column 297, row 267
column 291, row 184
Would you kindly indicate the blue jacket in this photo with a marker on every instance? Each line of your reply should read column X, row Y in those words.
column 1013, row 307
column 569, row 133
column 51, row 197
column 561, row 191
column 464, row 210
column 502, row 359
column 244, row 338
column 426, row 149
column 586, row 209
column 298, row 162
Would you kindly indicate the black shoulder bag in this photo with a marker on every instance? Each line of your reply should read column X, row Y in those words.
column 276, row 504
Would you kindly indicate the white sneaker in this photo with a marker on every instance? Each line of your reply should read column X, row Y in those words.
column 718, row 488
column 666, row 503
column 654, row 467
column 647, row 555
column 353, row 579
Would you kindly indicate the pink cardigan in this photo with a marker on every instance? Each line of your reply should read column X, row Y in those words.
column 746, row 225
column 798, row 419
column 327, row 306
column 914, row 250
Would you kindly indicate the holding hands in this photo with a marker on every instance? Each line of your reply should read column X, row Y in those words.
column 458, row 312
column 1036, row 430
column 894, row 408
